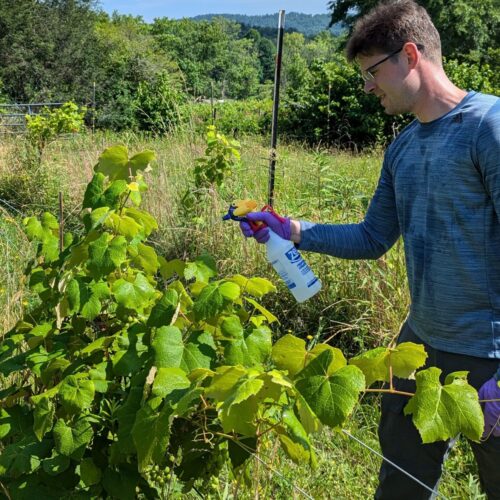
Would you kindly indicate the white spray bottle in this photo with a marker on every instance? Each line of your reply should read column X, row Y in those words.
column 283, row 256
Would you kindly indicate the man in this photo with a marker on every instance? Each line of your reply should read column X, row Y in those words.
column 439, row 189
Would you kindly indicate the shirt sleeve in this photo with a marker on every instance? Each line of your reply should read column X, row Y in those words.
column 487, row 154
column 369, row 239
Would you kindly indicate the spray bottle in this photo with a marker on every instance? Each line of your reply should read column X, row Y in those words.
column 282, row 254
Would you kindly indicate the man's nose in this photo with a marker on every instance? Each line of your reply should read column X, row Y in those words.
column 369, row 87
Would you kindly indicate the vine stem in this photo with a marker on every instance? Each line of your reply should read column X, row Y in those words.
column 5, row 490
column 391, row 391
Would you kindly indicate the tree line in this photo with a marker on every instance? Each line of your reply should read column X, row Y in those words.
column 146, row 76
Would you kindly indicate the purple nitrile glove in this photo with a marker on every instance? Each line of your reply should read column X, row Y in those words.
column 280, row 225
column 491, row 409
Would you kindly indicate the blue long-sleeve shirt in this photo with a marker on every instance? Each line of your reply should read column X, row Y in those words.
column 440, row 190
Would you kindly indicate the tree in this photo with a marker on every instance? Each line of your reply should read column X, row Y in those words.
column 467, row 28
column 48, row 49
column 211, row 55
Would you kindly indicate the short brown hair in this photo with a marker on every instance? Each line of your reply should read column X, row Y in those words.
column 389, row 25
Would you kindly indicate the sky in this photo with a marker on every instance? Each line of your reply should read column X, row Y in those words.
column 149, row 9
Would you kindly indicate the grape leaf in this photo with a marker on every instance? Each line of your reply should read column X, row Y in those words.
column 112, row 195
column 56, row 464
column 151, row 432
column 289, row 353
column 43, row 417
column 143, row 219
column 134, row 295
column 210, row 302
column 202, row 269
column 94, row 191
column 271, row 318
column 76, row 394
column 168, row 347
column 295, row 440
column 163, row 311
column 113, row 162
column 331, row 397
column 224, row 381
column 171, row 267
column 145, row 257
column 240, row 418
column 71, row 440
column 257, row 287
column 89, row 472
column 253, row 348
column 168, row 381
column 443, row 411
column 405, row 358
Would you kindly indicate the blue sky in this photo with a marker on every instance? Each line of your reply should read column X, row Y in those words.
column 149, row 9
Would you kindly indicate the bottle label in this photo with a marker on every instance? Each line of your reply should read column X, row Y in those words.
column 283, row 274
column 293, row 255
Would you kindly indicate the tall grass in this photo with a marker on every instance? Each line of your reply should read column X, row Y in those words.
column 361, row 305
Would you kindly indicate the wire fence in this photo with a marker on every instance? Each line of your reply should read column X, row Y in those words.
column 13, row 116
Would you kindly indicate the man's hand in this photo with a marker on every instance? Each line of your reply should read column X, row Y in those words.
column 488, row 391
column 281, row 226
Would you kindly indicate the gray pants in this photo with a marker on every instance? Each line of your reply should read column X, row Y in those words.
column 401, row 442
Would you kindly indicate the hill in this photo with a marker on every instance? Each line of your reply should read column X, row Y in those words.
column 309, row 24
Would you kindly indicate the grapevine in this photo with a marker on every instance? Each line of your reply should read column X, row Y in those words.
column 133, row 374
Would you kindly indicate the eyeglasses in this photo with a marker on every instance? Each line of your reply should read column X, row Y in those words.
column 367, row 74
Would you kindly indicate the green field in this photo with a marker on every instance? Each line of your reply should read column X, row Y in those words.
column 361, row 306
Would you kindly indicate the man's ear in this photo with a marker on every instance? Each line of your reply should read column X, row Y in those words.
column 412, row 54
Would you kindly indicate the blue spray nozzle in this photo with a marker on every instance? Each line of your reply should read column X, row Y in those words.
column 230, row 215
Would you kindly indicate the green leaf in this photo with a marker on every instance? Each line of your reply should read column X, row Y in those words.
column 289, row 353
column 199, row 352
column 164, row 310
column 145, row 257
column 257, row 287
column 123, row 225
column 295, row 440
column 113, row 162
column 332, row 398
column 209, row 304
column 23, row 456
column 129, row 349
column 230, row 291
column 168, row 347
column 271, row 318
column 168, row 381
column 56, row 464
column 405, row 358
column 251, row 349
column 113, row 194
column 171, row 267
column 43, row 414
column 442, row 412
column 338, row 362
column 202, row 269
column 72, row 440
column 240, row 418
column 100, row 263
column 89, row 472
column 38, row 334
column 94, row 191
column 76, row 394
column 143, row 219
column 120, row 485
column 134, row 295
column 151, row 432
column 141, row 161
column 225, row 380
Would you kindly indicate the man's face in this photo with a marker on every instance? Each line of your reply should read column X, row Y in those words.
column 387, row 78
